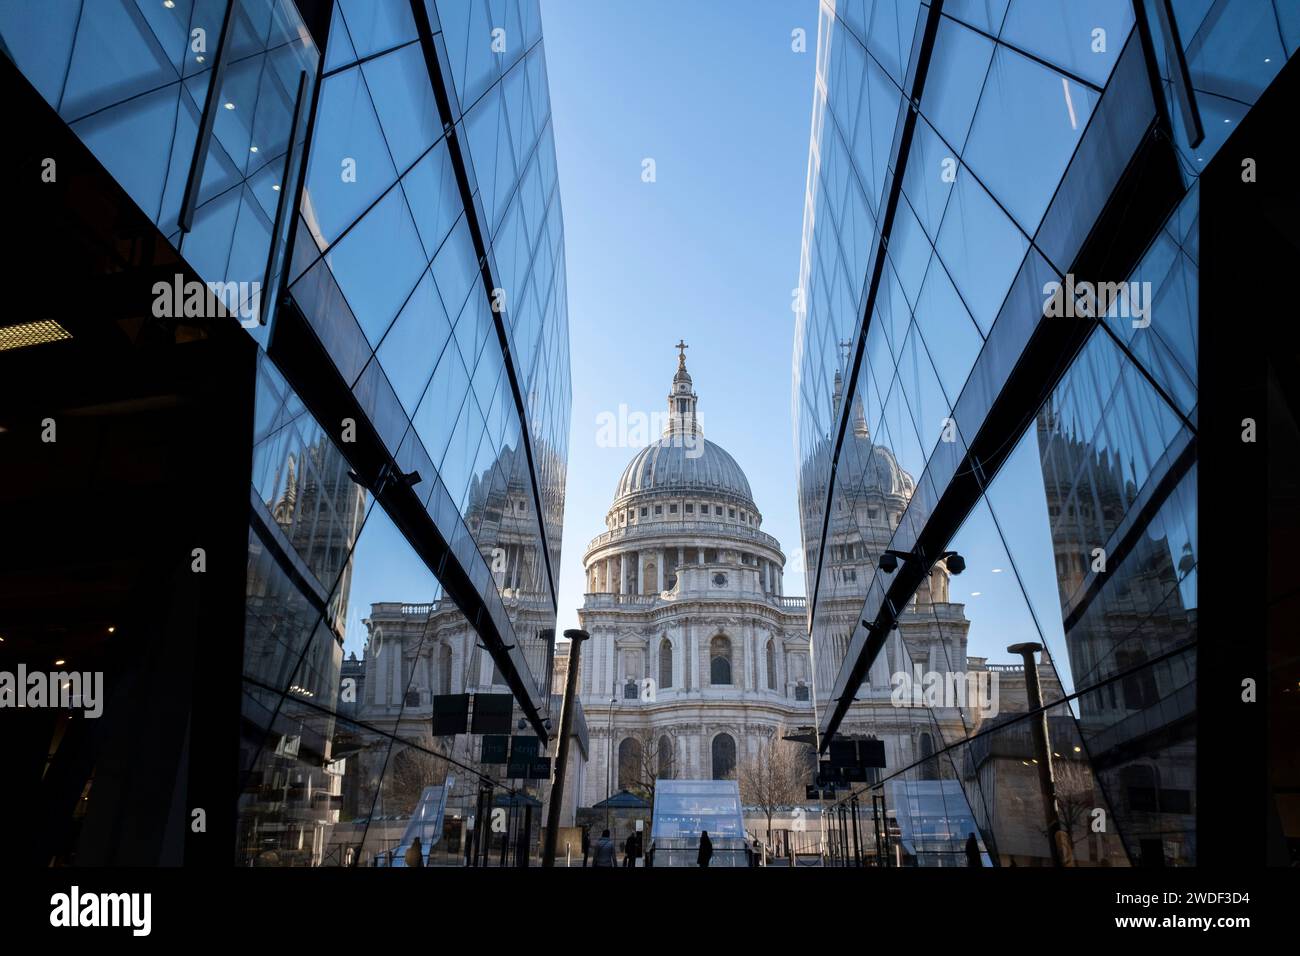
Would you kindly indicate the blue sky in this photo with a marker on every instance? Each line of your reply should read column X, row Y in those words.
column 708, row 252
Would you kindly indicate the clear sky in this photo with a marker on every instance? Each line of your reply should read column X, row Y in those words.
column 708, row 252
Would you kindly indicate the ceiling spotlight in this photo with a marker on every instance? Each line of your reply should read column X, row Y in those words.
column 169, row 4
column 276, row 187
column 199, row 59
column 230, row 106
column 111, row 629
column 60, row 662
column 252, row 149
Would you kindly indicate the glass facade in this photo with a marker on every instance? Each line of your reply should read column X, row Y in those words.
column 996, row 378
column 377, row 178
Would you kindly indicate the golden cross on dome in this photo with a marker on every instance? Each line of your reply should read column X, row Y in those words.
column 681, row 347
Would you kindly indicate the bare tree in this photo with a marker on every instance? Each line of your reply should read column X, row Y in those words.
column 775, row 778
column 1076, row 798
column 639, row 764
column 413, row 765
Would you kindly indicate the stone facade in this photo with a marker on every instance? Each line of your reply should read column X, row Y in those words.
column 696, row 652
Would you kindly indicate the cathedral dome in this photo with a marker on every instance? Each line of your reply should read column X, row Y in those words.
column 671, row 466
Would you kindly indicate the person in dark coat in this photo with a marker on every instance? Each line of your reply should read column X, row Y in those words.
column 586, row 844
column 706, row 849
column 629, row 850
column 414, row 853
column 973, row 851
column 604, row 851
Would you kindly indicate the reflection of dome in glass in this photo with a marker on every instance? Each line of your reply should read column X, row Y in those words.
column 669, row 466
column 873, row 467
column 864, row 466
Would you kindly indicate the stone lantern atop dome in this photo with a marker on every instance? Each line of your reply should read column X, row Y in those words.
column 683, row 419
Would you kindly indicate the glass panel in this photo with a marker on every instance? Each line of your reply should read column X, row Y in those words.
column 1029, row 121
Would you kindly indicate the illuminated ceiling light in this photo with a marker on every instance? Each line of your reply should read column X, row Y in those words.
column 230, row 106
column 252, row 149
column 1227, row 121
column 60, row 662
column 31, row 333
column 169, row 4
column 111, row 629
column 276, row 187
column 976, row 593
column 1078, row 749
column 997, row 570
column 199, row 58
column 1268, row 59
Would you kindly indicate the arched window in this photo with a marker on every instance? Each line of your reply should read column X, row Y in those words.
column 444, row 669
column 724, row 757
column 665, row 663
column 629, row 764
column 929, row 769
column 720, row 660
column 771, row 666
column 665, row 758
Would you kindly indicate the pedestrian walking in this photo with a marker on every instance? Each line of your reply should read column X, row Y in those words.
column 973, row 851
column 414, row 853
column 706, row 849
column 605, row 851
column 586, row 844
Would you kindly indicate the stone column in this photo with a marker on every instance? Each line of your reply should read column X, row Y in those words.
column 622, row 572
column 692, row 671
column 748, row 639
column 662, row 553
column 609, row 576
column 640, row 573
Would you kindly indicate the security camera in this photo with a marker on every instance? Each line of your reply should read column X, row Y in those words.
column 955, row 562
column 888, row 563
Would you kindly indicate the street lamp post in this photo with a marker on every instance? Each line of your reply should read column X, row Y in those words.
column 609, row 756
column 1061, row 855
column 576, row 637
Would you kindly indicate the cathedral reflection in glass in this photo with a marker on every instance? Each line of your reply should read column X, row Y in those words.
column 962, row 159
column 384, row 171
